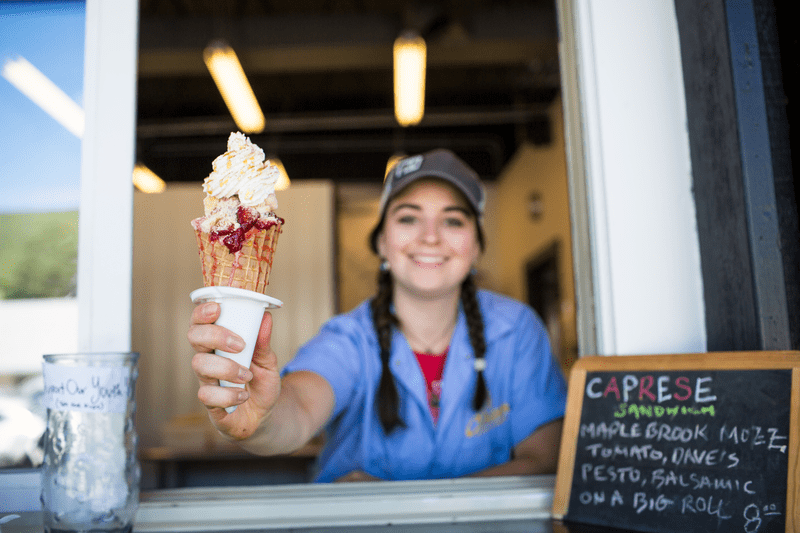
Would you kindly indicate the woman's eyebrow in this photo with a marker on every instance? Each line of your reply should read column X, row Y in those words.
column 409, row 206
column 417, row 207
column 458, row 208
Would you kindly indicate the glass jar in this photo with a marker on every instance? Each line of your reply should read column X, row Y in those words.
column 91, row 472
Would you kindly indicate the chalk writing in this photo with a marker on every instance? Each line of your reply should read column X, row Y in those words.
column 666, row 388
column 700, row 449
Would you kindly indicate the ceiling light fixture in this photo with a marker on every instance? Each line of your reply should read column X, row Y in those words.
column 46, row 94
column 283, row 180
column 146, row 180
column 228, row 74
column 409, row 78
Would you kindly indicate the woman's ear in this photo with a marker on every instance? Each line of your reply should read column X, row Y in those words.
column 477, row 254
column 381, row 245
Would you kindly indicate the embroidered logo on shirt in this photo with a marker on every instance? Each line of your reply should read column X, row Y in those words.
column 486, row 419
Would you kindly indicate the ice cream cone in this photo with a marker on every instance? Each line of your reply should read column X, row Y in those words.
column 249, row 268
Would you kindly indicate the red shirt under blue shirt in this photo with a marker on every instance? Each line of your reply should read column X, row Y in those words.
column 432, row 366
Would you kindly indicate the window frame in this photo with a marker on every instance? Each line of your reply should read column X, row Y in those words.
column 105, row 235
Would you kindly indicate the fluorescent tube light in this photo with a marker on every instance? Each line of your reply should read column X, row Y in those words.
column 146, row 180
column 228, row 74
column 46, row 94
column 283, row 181
column 409, row 78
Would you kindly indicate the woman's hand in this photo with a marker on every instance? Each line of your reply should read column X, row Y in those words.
column 356, row 475
column 535, row 454
column 262, row 379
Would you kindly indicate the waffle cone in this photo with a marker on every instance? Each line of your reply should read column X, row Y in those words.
column 248, row 268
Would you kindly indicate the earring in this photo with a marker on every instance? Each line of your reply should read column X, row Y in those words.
column 385, row 266
column 473, row 272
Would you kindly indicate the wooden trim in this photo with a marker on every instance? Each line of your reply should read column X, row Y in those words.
column 793, row 481
column 569, row 440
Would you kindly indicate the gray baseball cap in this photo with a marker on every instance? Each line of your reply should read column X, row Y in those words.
column 439, row 163
column 442, row 164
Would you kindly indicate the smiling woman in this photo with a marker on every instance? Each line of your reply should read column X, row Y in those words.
column 430, row 240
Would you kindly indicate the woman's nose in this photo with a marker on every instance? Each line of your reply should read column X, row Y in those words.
column 430, row 232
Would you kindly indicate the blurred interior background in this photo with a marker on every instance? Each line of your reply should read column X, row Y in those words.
column 322, row 73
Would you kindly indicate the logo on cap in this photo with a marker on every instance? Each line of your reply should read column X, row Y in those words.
column 407, row 166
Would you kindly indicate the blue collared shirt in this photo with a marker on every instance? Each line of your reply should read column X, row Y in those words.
column 525, row 383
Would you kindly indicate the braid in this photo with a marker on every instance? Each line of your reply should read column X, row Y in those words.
column 387, row 401
column 469, row 300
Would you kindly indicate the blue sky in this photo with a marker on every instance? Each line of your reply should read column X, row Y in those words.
column 39, row 158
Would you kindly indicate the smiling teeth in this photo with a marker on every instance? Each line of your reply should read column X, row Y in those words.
column 430, row 260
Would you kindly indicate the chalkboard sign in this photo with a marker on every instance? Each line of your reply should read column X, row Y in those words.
column 682, row 443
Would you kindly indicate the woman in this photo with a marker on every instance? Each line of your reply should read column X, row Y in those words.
column 431, row 378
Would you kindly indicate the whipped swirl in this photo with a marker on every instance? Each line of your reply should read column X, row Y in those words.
column 242, row 172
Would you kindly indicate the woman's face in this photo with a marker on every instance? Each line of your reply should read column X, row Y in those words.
column 429, row 238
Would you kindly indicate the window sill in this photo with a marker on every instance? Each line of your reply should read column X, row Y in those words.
column 300, row 506
column 351, row 504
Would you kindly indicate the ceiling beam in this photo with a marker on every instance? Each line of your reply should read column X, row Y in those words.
column 348, row 120
column 177, row 62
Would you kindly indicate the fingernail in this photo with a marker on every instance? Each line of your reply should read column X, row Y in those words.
column 209, row 309
column 244, row 374
column 235, row 343
column 243, row 395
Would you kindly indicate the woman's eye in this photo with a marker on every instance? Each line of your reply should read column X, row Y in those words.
column 454, row 222
column 406, row 219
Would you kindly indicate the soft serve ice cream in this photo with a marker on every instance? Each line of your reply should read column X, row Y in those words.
column 239, row 231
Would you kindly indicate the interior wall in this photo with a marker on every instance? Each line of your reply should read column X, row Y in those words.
column 357, row 267
column 166, row 268
column 523, row 235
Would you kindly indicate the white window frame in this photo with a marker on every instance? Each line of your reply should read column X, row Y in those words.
column 105, row 240
column 639, row 284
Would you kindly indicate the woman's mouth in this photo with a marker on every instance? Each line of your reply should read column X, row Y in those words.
column 428, row 260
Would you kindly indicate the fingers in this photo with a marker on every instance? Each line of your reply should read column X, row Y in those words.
column 205, row 313
column 211, row 369
column 355, row 476
column 209, row 337
column 214, row 396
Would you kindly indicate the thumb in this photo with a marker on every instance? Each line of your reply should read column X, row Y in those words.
column 263, row 355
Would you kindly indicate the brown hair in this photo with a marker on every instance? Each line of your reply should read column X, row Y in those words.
column 387, row 401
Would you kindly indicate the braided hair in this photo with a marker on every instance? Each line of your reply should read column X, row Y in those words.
column 388, row 400
column 472, row 311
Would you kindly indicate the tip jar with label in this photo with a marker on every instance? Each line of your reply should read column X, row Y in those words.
column 91, row 473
